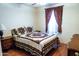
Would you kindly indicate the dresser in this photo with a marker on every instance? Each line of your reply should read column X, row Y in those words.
column 7, row 42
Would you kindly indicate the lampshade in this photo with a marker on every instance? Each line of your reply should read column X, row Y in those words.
column 2, row 27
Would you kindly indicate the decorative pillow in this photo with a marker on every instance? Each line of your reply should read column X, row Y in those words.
column 21, row 30
column 28, row 29
column 14, row 32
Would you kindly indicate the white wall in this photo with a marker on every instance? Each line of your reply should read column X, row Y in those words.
column 12, row 15
column 42, row 19
column 39, row 19
column 36, row 19
column 70, row 23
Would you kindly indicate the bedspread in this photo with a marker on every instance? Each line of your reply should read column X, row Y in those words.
column 37, row 45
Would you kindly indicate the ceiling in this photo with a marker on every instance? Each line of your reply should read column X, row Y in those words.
column 35, row 4
column 40, row 4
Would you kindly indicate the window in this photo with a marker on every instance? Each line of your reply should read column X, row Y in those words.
column 52, row 25
column 54, row 19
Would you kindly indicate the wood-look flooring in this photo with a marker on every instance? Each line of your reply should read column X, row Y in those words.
column 14, row 52
column 61, row 51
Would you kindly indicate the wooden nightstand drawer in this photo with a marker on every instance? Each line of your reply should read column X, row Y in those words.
column 7, row 42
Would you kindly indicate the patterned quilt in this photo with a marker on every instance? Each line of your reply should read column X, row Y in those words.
column 37, row 43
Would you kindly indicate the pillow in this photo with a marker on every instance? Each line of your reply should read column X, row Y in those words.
column 21, row 30
column 28, row 29
column 14, row 32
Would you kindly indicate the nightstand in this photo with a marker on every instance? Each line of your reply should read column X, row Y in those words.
column 7, row 42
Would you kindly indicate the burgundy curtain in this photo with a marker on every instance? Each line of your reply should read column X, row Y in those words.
column 58, row 14
column 48, row 13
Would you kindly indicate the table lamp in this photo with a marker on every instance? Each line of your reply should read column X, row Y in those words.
column 2, row 28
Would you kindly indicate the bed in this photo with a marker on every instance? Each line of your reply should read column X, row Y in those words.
column 37, row 43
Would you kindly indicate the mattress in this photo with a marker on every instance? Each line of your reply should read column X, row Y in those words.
column 41, row 44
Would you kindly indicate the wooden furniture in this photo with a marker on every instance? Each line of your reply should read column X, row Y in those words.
column 0, row 49
column 74, row 43
column 37, row 43
column 7, row 42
